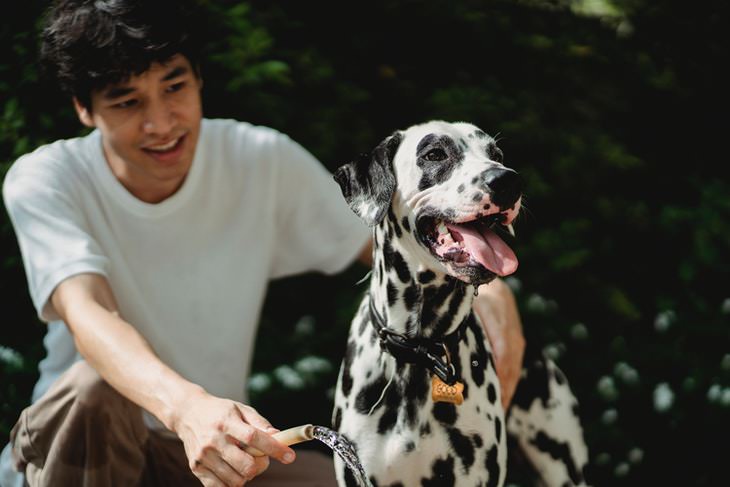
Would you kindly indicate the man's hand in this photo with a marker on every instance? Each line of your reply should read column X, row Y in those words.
column 217, row 433
column 497, row 310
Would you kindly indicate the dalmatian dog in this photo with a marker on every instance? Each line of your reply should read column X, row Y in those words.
column 417, row 393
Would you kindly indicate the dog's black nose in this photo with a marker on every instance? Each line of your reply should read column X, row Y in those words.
column 504, row 186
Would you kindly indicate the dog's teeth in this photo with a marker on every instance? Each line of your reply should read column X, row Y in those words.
column 511, row 229
column 442, row 228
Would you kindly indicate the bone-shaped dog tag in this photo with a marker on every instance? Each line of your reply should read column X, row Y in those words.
column 442, row 392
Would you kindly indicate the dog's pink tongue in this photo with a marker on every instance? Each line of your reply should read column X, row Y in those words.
column 487, row 248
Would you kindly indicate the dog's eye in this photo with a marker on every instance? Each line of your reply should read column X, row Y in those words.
column 435, row 155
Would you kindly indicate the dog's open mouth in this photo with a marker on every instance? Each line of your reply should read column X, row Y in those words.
column 466, row 245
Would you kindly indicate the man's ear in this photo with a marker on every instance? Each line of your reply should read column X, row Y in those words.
column 368, row 183
column 83, row 113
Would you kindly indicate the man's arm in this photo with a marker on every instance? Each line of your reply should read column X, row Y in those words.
column 496, row 307
column 206, row 424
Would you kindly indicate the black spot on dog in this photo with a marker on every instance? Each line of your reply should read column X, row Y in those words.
column 534, row 385
column 346, row 366
column 494, row 152
column 369, row 395
column 462, row 446
column 477, row 197
column 390, row 415
column 394, row 223
column 480, row 134
column 392, row 292
column 477, row 439
column 477, row 371
column 442, row 473
column 460, row 188
column 475, row 180
column 492, row 465
column 426, row 276
column 406, row 224
column 337, row 419
column 491, row 393
column 559, row 451
column 437, row 171
column 394, row 260
column 445, row 413
column 498, row 429
column 410, row 446
column 446, row 320
column 425, row 429
column 411, row 296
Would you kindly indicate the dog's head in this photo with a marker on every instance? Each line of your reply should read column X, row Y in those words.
column 448, row 181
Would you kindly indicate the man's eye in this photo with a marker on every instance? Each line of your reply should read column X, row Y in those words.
column 126, row 103
column 435, row 155
column 175, row 87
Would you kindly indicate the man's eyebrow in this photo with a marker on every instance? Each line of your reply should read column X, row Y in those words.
column 178, row 71
column 120, row 91
column 117, row 92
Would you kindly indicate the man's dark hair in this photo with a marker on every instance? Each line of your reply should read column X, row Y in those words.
column 89, row 44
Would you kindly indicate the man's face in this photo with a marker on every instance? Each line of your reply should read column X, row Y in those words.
column 149, row 125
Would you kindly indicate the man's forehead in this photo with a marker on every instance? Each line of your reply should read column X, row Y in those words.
column 162, row 71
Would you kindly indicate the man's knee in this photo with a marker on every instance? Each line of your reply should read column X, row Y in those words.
column 90, row 390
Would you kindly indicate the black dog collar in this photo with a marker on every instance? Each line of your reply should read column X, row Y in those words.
column 434, row 355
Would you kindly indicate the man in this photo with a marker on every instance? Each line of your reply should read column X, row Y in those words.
column 148, row 245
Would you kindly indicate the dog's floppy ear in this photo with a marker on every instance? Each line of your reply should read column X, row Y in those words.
column 368, row 183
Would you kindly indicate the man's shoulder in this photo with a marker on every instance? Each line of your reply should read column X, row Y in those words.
column 242, row 135
column 50, row 163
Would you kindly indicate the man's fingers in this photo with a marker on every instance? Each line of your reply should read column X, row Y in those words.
column 249, row 436
column 226, row 473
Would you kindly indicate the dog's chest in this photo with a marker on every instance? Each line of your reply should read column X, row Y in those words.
column 400, row 433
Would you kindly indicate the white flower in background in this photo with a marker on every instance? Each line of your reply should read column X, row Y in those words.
column 289, row 377
column 725, row 306
column 636, row 455
column 609, row 416
column 714, row 393
column 664, row 320
column 259, row 382
column 536, row 303
column 579, row 331
column 312, row 365
column 514, row 284
column 626, row 373
column 663, row 397
column 305, row 326
column 725, row 397
column 10, row 357
column 607, row 388
column 621, row 470
column 554, row 351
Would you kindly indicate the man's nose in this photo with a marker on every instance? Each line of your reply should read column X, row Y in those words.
column 158, row 118
column 503, row 185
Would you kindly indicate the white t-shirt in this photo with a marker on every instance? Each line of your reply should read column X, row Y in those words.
column 190, row 273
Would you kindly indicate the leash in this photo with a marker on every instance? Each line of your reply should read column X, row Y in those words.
column 434, row 355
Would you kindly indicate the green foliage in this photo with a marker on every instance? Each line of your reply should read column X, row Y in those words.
column 604, row 107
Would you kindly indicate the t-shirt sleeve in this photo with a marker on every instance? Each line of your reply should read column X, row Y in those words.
column 316, row 230
column 52, row 233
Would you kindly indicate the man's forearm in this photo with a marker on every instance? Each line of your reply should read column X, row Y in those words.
column 126, row 361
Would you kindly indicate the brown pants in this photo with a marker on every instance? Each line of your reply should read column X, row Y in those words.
column 83, row 433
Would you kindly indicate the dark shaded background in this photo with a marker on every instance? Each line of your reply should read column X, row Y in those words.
column 614, row 114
